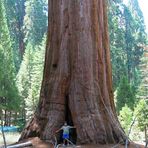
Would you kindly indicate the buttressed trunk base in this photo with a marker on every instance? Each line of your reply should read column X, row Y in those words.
column 77, row 83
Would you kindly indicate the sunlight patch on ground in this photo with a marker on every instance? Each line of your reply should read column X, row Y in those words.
column 10, row 138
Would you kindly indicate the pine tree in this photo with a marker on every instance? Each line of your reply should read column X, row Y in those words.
column 34, row 27
column 127, row 32
column 125, row 95
column 35, row 21
column 15, row 11
column 142, row 113
column 117, row 41
column 135, row 35
column 8, row 89
column 30, row 76
column 143, row 88
column 142, row 95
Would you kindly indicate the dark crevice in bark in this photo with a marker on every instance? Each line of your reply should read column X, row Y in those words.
column 115, row 136
column 68, row 119
column 54, row 65
column 34, row 134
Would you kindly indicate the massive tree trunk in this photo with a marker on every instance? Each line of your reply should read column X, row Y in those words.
column 77, row 80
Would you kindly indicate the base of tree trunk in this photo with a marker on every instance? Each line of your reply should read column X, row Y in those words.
column 37, row 143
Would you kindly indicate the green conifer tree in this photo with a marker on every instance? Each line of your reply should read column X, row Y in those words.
column 15, row 11
column 127, row 32
column 8, row 89
column 125, row 95
column 35, row 21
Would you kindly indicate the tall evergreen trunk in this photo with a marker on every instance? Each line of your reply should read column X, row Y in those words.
column 20, row 7
column 77, row 80
column 5, row 118
column 9, row 118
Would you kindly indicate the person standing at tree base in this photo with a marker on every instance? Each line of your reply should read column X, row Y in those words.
column 66, row 129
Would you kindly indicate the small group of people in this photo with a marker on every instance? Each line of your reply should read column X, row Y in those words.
column 66, row 130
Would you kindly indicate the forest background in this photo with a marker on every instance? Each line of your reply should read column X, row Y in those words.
column 23, row 27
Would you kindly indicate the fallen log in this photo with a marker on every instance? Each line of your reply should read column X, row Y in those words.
column 29, row 143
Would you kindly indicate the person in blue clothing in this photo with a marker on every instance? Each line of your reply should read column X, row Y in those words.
column 66, row 128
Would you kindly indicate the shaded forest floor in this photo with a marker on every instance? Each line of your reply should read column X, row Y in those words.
column 37, row 143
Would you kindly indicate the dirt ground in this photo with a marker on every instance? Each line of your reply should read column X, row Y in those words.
column 37, row 143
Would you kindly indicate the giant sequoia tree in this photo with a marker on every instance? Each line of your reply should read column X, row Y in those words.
column 77, row 80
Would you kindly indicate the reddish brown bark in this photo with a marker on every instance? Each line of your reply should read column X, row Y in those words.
column 77, row 72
